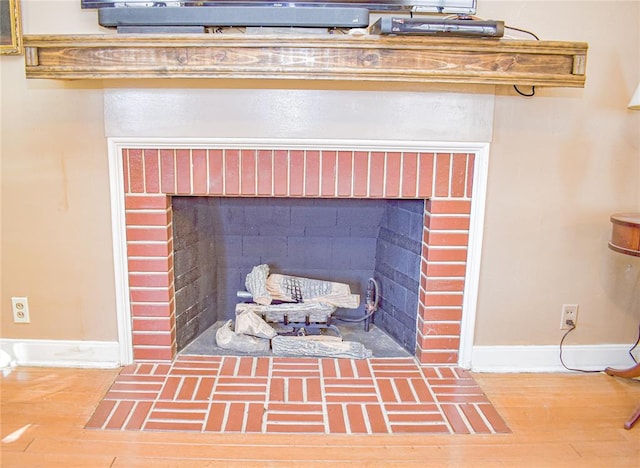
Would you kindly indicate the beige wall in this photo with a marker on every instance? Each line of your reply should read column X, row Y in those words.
column 560, row 164
column 56, row 239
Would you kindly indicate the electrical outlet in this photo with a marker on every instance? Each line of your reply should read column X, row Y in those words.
column 569, row 314
column 20, row 306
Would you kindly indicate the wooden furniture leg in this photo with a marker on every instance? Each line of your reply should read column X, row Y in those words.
column 630, row 373
column 633, row 419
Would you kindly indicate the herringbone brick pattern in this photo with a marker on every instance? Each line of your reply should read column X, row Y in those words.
column 296, row 395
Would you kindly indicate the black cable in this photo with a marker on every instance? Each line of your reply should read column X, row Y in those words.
column 635, row 345
column 533, row 88
column 533, row 91
column 573, row 327
column 523, row 31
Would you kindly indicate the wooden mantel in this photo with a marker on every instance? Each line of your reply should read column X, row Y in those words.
column 308, row 57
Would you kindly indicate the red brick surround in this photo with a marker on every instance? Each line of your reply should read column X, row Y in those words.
column 151, row 176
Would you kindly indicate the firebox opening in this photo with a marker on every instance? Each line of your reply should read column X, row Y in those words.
column 217, row 241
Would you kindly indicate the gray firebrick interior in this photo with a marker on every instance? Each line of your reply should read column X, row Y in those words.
column 217, row 240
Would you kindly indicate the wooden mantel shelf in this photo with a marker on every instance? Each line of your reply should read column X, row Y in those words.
column 308, row 57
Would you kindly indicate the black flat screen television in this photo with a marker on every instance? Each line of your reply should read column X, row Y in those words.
column 193, row 16
column 460, row 7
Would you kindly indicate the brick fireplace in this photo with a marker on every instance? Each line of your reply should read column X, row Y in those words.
column 151, row 175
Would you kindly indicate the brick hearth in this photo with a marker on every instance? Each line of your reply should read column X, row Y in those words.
column 152, row 175
column 214, row 394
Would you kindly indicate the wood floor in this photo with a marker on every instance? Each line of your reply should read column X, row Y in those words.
column 557, row 420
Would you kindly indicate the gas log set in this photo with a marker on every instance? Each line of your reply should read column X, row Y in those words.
column 292, row 316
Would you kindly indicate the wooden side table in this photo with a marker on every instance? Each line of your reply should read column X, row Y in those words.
column 625, row 239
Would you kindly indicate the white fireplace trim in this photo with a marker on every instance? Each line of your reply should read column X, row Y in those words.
column 119, row 239
column 474, row 255
column 116, row 181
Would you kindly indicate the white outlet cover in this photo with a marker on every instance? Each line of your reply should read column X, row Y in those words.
column 20, row 308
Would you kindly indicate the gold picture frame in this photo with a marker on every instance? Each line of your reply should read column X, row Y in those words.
column 10, row 27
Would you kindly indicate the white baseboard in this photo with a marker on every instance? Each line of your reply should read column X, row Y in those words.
column 62, row 353
column 503, row 359
column 547, row 358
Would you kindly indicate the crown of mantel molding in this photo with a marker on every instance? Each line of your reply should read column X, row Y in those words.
column 302, row 57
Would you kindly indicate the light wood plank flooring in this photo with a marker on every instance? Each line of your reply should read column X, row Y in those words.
column 562, row 420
